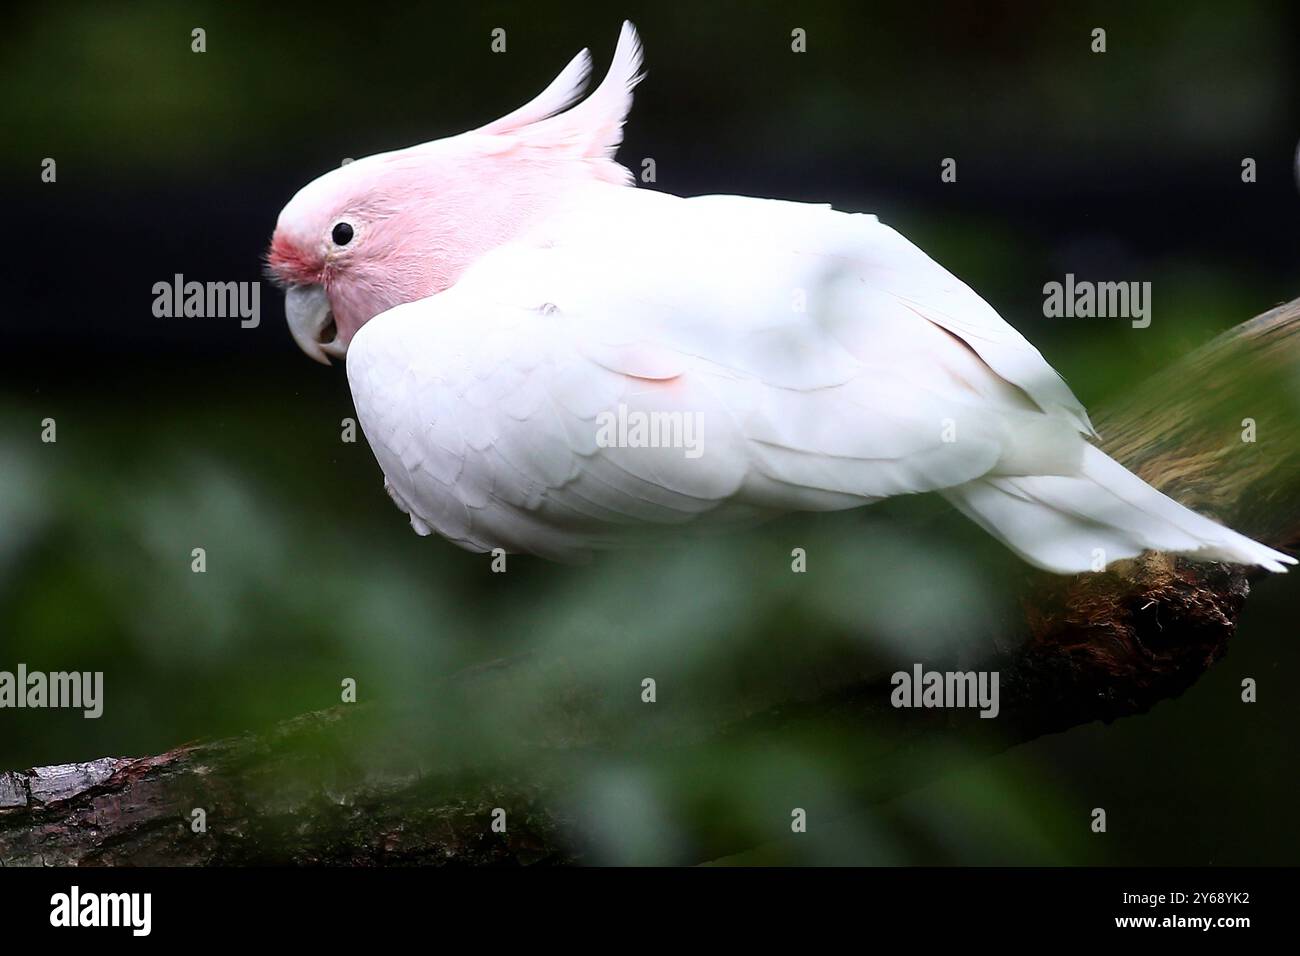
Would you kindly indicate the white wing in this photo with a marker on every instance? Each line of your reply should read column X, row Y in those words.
column 808, row 359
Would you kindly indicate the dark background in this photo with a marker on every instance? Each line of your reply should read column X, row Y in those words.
column 177, row 433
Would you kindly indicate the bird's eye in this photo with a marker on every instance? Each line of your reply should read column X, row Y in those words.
column 342, row 234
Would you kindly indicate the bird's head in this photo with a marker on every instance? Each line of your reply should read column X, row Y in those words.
column 401, row 226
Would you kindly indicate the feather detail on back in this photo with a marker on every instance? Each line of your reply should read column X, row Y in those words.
column 492, row 407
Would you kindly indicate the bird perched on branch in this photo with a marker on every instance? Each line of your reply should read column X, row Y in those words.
column 547, row 360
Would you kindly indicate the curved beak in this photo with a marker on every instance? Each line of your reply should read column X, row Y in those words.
column 311, row 323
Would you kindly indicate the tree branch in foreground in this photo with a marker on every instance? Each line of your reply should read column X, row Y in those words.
column 357, row 785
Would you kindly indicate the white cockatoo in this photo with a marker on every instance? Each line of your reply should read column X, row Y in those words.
column 547, row 360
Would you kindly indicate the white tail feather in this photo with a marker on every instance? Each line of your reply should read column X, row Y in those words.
column 1066, row 523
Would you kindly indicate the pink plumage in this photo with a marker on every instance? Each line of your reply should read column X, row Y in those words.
column 421, row 215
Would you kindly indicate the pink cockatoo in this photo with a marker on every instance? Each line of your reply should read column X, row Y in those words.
column 547, row 360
